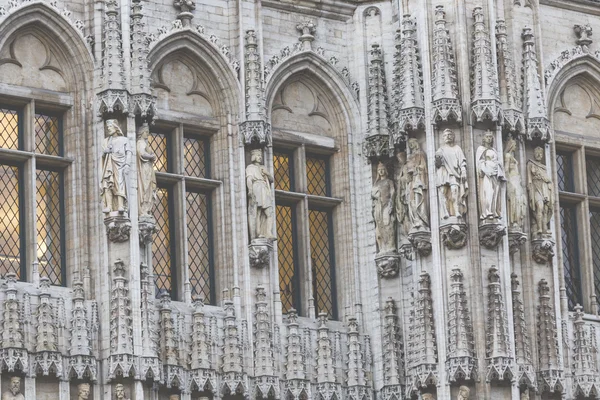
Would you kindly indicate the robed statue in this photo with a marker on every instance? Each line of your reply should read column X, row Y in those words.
column 515, row 195
column 451, row 178
column 383, row 195
column 146, row 175
column 115, row 168
column 490, row 176
column 417, row 198
column 541, row 193
column 401, row 179
column 260, row 197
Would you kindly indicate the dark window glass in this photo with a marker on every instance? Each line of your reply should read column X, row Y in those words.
column 9, row 129
column 317, row 176
column 570, row 254
column 10, row 228
column 195, row 154
column 593, row 176
column 161, row 244
column 199, row 246
column 158, row 144
column 564, row 170
column 286, row 257
column 282, row 165
column 49, row 225
column 595, row 233
column 48, row 135
column 321, row 250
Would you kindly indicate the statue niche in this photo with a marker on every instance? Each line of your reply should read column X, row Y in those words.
column 383, row 196
column 515, row 196
column 417, row 198
column 541, row 203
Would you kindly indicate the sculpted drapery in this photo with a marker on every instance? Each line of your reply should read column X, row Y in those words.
column 451, row 178
column 383, row 195
column 416, row 189
column 146, row 174
column 490, row 175
column 260, row 197
column 540, row 190
column 401, row 179
column 115, row 168
column 515, row 196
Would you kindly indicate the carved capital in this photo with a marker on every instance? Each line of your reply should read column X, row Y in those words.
column 454, row 236
column 377, row 147
column 515, row 240
column 260, row 251
column 147, row 228
column 542, row 250
column 118, row 227
column 421, row 241
column 490, row 235
column 388, row 265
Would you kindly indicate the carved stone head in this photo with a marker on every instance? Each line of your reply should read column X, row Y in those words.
column 427, row 396
column 382, row 172
column 463, row 392
column 113, row 128
column 84, row 391
column 448, row 136
column 488, row 139
column 401, row 157
column 15, row 385
column 510, row 146
column 119, row 391
column 143, row 131
column 538, row 154
column 413, row 146
column 256, row 155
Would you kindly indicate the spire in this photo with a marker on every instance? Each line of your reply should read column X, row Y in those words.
column 498, row 351
column 377, row 142
column 536, row 116
column 445, row 100
column 113, row 69
column 422, row 340
column 585, row 367
column 356, row 368
column 485, row 96
column 392, row 352
column 121, row 360
column 408, row 85
column 264, row 368
column 551, row 374
column 526, row 373
column 510, row 89
column 80, row 332
column 461, row 362
column 232, row 380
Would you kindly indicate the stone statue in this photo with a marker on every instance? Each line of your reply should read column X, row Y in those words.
column 463, row 393
column 146, row 175
column 515, row 196
column 401, row 179
column 260, row 197
column 115, row 168
column 383, row 196
column 490, row 176
column 452, row 185
column 525, row 395
column 174, row 397
column 14, row 390
column 427, row 396
column 120, row 392
column 416, row 189
column 541, row 196
column 83, row 391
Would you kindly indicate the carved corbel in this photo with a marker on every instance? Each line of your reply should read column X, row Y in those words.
column 490, row 235
column 454, row 236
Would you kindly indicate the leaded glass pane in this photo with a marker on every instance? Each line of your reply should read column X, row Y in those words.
column 161, row 244
column 317, row 179
column 49, row 225
column 10, row 242
column 593, row 175
column 198, row 238
column 158, row 144
column 595, row 234
column 570, row 255
column 47, row 135
column 9, row 129
column 564, row 172
column 195, row 157
column 286, row 258
column 282, row 166
column 321, row 250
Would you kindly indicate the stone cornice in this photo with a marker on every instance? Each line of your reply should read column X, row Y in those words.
column 332, row 9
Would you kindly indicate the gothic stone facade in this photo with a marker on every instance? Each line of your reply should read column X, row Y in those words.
column 470, row 302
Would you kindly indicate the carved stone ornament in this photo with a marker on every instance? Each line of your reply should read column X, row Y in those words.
column 516, row 240
column 383, row 197
column 307, row 30
column 118, row 228
column 388, row 265
column 536, row 115
column 116, row 156
column 260, row 198
column 119, row 393
column 542, row 250
column 551, row 377
column 406, row 250
column 377, row 143
column 260, row 251
column 185, row 7
column 490, row 235
column 256, row 132
column 584, row 34
column 146, row 228
column 454, row 236
column 421, row 241
column 463, row 393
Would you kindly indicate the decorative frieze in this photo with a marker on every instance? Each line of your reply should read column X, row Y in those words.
column 461, row 363
column 444, row 81
column 550, row 367
column 485, row 95
column 536, row 114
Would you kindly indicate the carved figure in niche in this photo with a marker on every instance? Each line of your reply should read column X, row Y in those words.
column 525, row 395
column 146, row 175
column 14, row 390
column 383, row 196
column 541, row 197
column 463, row 393
column 490, row 176
column 515, row 196
column 83, row 391
column 427, row 396
column 174, row 397
column 260, row 197
column 115, row 168
column 120, row 392
column 452, row 185
column 401, row 179
column 416, row 188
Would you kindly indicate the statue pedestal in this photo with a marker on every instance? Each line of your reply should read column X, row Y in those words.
column 260, row 250
column 421, row 241
column 147, row 228
column 515, row 240
column 118, row 226
column 388, row 264
column 490, row 234
column 453, row 233
column 542, row 249
column 406, row 250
